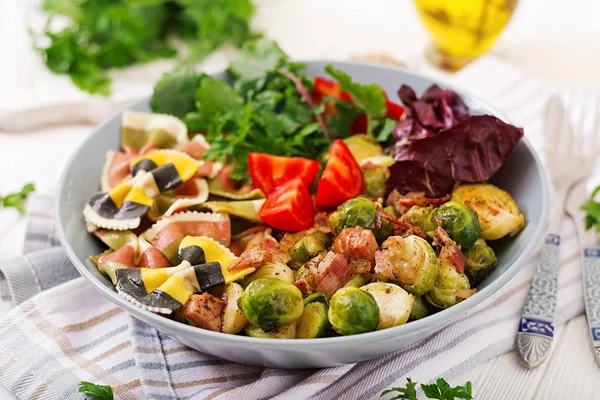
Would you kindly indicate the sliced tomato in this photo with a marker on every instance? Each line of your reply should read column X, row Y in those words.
column 325, row 87
column 342, row 178
column 268, row 171
column 289, row 207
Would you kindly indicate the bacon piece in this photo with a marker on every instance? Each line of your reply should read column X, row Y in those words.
column 403, row 203
column 450, row 249
column 322, row 222
column 265, row 252
column 202, row 311
column 195, row 148
column 209, row 169
column 125, row 255
column 332, row 273
column 306, row 280
column 357, row 244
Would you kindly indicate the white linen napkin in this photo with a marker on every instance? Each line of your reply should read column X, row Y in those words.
column 71, row 333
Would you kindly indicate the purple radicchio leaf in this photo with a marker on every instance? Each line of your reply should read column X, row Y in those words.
column 471, row 151
column 407, row 176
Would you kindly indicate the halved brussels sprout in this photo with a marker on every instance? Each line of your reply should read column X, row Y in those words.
column 353, row 311
column 394, row 303
column 271, row 303
column 284, row 332
column 418, row 216
column 456, row 219
column 357, row 280
column 307, row 247
column 481, row 261
column 409, row 261
column 497, row 211
column 362, row 212
column 451, row 287
column 317, row 297
column 275, row 270
column 313, row 323
column 363, row 147
column 419, row 309
column 375, row 178
column 233, row 320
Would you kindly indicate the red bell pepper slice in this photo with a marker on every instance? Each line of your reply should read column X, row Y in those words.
column 342, row 178
column 393, row 110
column 268, row 171
column 289, row 207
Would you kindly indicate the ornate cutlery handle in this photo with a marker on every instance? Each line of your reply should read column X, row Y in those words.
column 591, row 295
column 536, row 328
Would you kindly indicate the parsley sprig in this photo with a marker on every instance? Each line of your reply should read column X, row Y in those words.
column 592, row 211
column 17, row 200
column 440, row 390
column 96, row 392
column 100, row 35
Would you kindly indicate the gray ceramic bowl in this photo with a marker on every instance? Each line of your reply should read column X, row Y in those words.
column 522, row 176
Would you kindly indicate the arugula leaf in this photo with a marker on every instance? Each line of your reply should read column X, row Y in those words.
column 441, row 390
column 368, row 98
column 592, row 210
column 175, row 91
column 17, row 200
column 99, row 392
column 215, row 96
column 405, row 393
column 383, row 129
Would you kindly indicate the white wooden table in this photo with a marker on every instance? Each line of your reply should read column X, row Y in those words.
column 551, row 39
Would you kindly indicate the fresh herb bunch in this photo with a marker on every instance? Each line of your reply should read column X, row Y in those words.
column 17, row 200
column 267, row 108
column 97, row 392
column 117, row 33
column 592, row 211
column 440, row 390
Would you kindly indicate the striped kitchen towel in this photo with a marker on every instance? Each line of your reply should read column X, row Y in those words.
column 62, row 333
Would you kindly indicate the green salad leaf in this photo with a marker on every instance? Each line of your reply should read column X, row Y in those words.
column 17, row 200
column 99, row 392
column 592, row 211
column 368, row 98
column 175, row 92
column 440, row 390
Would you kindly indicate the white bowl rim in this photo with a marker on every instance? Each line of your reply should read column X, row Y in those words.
column 442, row 317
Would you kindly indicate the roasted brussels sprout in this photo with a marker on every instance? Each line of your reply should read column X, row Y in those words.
column 362, row 212
column 394, row 303
column 284, row 332
column 409, row 261
column 363, row 147
column 417, row 216
column 353, row 311
column 307, row 247
column 496, row 210
column 456, row 219
column 233, row 320
column 313, row 323
column 375, row 177
column 450, row 287
column 271, row 303
column 391, row 211
column 419, row 309
column 317, row 297
column 481, row 261
column 357, row 280
column 275, row 270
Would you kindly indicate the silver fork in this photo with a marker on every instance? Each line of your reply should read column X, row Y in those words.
column 566, row 161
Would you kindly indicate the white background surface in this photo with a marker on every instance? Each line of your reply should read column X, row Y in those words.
column 555, row 40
